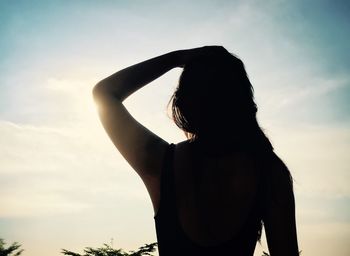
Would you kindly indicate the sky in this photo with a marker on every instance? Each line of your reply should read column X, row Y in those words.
column 62, row 182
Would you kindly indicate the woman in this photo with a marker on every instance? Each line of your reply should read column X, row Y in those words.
column 212, row 192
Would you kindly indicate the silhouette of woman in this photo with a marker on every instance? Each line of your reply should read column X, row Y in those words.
column 211, row 193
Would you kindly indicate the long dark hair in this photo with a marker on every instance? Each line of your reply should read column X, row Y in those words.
column 214, row 104
column 214, row 96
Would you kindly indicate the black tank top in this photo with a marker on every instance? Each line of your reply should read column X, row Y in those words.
column 173, row 241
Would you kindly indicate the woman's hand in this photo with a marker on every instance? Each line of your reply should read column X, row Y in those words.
column 186, row 56
column 126, row 81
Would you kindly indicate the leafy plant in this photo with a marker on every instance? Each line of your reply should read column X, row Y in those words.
column 107, row 250
column 12, row 250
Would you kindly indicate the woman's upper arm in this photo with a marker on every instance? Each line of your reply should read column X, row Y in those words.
column 280, row 230
column 279, row 219
column 140, row 147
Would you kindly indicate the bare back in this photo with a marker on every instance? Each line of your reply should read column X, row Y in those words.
column 215, row 195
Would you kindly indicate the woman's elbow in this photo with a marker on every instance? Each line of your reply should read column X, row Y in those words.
column 99, row 90
column 107, row 88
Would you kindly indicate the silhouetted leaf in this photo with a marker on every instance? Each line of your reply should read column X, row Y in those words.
column 12, row 250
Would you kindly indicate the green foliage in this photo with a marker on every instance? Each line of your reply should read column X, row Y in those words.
column 107, row 250
column 12, row 250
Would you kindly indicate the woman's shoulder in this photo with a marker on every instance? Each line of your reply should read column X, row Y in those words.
column 280, row 180
column 278, row 169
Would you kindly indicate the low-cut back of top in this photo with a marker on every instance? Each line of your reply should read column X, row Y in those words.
column 172, row 238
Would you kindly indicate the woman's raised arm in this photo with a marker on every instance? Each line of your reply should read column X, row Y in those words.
column 139, row 146
column 142, row 149
column 126, row 81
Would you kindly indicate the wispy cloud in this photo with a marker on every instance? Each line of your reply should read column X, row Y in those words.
column 50, row 171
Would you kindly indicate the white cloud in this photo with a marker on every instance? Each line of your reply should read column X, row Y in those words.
column 50, row 170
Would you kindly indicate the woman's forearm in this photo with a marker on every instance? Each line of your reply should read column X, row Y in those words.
column 126, row 81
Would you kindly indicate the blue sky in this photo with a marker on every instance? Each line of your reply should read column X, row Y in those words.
column 63, row 185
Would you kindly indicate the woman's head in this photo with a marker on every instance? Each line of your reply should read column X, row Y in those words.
column 214, row 96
